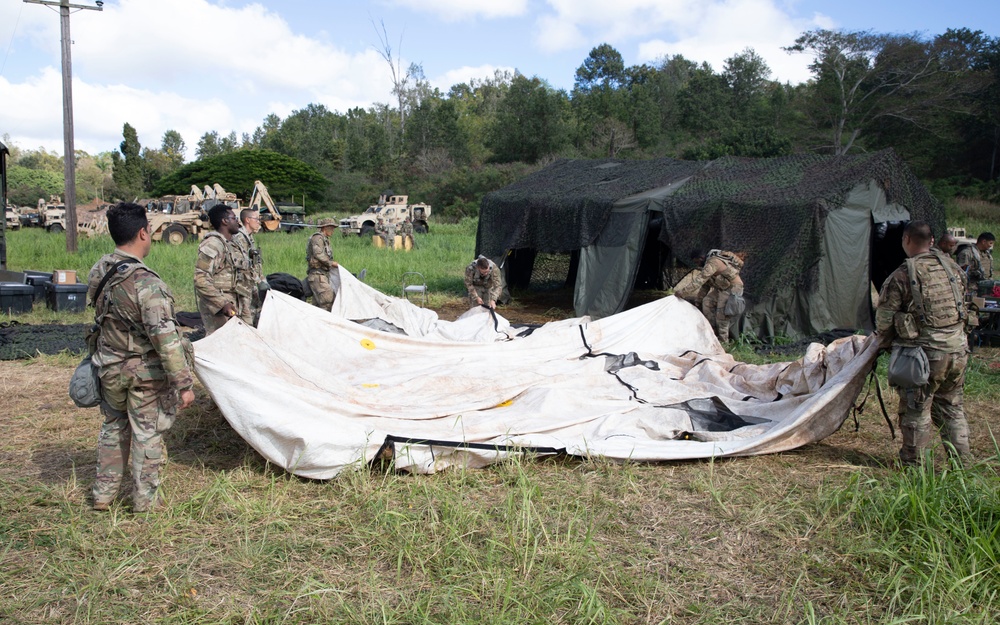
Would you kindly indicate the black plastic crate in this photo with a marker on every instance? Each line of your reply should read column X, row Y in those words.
column 16, row 298
column 66, row 297
column 37, row 279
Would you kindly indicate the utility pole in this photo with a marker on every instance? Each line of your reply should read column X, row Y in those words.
column 69, row 157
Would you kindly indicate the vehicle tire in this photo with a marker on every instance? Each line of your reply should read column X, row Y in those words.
column 420, row 228
column 56, row 228
column 175, row 234
column 367, row 230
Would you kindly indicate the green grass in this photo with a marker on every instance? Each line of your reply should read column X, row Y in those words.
column 829, row 533
column 936, row 537
column 441, row 256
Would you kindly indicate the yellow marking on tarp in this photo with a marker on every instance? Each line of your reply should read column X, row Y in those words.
column 504, row 404
column 369, row 386
column 367, row 344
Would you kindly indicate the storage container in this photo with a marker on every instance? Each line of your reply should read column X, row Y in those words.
column 37, row 279
column 16, row 298
column 66, row 297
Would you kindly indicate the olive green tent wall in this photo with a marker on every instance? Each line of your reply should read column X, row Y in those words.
column 806, row 223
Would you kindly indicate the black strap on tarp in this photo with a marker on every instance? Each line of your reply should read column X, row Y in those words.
column 881, row 402
column 873, row 381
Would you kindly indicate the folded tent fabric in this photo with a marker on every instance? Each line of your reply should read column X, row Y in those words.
column 338, row 391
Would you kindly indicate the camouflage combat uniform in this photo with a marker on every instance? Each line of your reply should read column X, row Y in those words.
column 684, row 289
column 487, row 288
column 406, row 229
column 143, row 367
column 936, row 321
column 251, row 275
column 721, row 274
column 215, row 281
column 978, row 264
column 319, row 257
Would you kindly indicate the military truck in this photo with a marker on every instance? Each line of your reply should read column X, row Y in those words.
column 177, row 218
column 391, row 209
column 12, row 217
column 52, row 214
column 275, row 216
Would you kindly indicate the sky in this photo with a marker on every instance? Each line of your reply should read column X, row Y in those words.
column 197, row 66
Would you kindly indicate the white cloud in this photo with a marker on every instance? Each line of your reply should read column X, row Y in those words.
column 555, row 35
column 700, row 30
column 133, row 61
column 454, row 10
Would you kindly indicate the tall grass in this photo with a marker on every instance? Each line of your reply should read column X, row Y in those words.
column 935, row 536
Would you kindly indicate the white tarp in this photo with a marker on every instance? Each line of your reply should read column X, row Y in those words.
column 316, row 393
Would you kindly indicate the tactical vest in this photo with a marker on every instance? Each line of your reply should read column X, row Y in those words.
column 226, row 279
column 315, row 264
column 936, row 290
column 137, row 342
column 724, row 280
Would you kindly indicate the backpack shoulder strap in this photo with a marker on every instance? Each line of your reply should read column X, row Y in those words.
column 107, row 277
column 914, row 280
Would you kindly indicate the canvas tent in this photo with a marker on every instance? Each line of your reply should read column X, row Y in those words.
column 817, row 230
column 651, row 383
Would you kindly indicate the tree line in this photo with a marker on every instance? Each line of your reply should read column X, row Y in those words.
column 935, row 99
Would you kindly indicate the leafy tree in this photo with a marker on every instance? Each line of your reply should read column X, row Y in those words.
column 271, row 123
column 747, row 76
column 704, row 102
column 155, row 165
column 599, row 98
column 127, row 165
column 25, row 186
column 39, row 159
column 602, row 71
column 476, row 103
column 173, row 147
column 229, row 143
column 93, row 176
column 531, row 122
column 862, row 79
column 312, row 134
column 434, row 138
column 237, row 171
column 208, row 146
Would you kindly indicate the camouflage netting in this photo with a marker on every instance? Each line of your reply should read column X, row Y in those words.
column 566, row 205
column 21, row 341
column 775, row 210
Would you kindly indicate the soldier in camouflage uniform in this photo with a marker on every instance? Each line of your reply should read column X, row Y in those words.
column 721, row 273
column 922, row 304
column 406, row 229
column 482, row 280
column 252, row 279
column 140, row 355
column 977, row 259
column 319, row 257
column 220, row 294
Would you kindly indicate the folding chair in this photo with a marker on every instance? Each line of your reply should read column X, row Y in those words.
column 414, row 284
